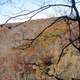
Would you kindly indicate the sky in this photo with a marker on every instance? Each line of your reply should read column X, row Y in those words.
column 10, row 8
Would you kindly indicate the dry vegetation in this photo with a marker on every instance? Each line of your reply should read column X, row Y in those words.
column 16, row 58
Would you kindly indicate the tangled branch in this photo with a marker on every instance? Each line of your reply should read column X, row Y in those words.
column 77, row 18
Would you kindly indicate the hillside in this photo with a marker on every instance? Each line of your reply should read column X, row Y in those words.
column 16, row 55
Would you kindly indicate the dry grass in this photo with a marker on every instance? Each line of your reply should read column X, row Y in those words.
column 15, row 57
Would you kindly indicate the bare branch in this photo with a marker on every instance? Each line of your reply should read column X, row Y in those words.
column 39, row 9
column 65, row 48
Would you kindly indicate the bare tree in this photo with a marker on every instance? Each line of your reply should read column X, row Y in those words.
column 67, row 18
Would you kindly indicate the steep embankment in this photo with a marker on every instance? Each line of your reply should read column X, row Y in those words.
column 14, row 54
